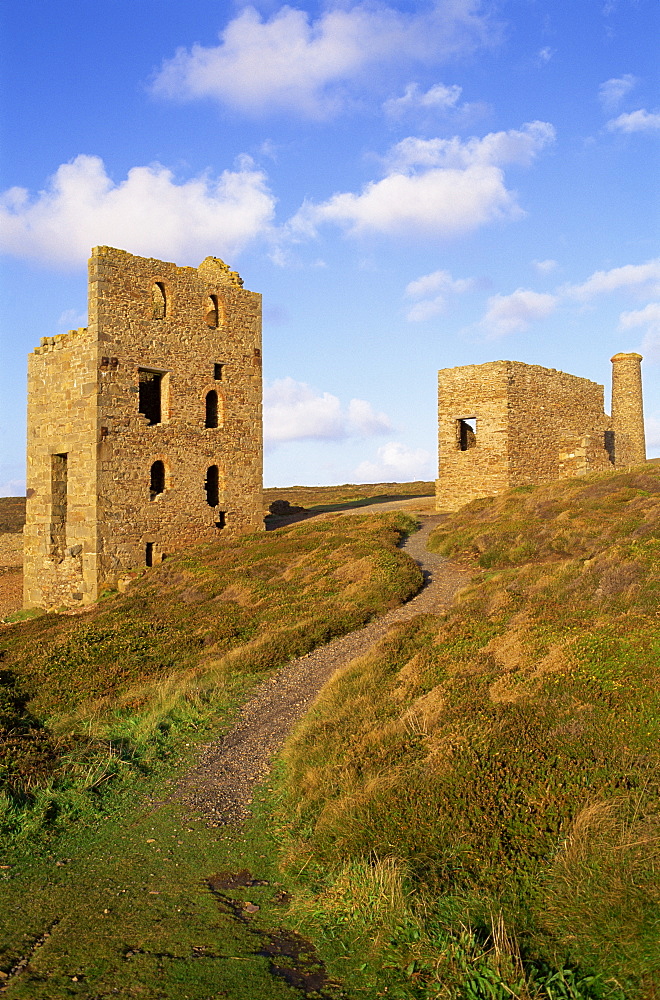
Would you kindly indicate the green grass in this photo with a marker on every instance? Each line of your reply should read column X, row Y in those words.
column 498, row 765
column 84, row 699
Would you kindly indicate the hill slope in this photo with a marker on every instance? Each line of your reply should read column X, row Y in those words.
column 478, row 798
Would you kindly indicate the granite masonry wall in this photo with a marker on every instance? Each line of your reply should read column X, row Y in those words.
column 505, row 424
column 144, row 429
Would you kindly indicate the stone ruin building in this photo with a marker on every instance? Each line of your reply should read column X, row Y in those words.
column 144, row 428
column 505, row 424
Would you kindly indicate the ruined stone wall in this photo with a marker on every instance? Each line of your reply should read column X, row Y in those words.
column 161, row 338
column 531, row 425
column 60, row 536
column 466, row 393
column 551, row 416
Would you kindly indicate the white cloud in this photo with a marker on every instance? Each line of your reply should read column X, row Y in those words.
column 149, row 212
column 294, row 411
column 395, row 462
column 364, row 421
column 292, row 63
column 649, row 319
column 437, row 98
column 642, row 279
column 545, row 55
column 635, row 121
column 545, row 266
column 434, row 291
column 612, row 92
column 435, row 187
column 71, row 319
column 516, row 312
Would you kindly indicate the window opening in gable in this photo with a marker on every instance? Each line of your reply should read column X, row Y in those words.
column 217, row 371
column 211, row 419
column 157, row 480
column 466, row 433
column 59, row 502
column 150, row 402
column 158, row 300
column 212, row 486
column 212, row 311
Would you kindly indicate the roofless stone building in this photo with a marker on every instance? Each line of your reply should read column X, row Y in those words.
column 505, row 424
column 144, row 428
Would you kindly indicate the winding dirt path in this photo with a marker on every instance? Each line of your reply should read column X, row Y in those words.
column 221, row 785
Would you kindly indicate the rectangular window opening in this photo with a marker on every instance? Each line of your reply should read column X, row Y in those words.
column 149, row 554
column 59, row 497
column 466, row 433
column 217, row 371
column 151, row 399
column 222, row 520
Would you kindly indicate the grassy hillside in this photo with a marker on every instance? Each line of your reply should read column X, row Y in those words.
column 476, row 804
column 85, row 697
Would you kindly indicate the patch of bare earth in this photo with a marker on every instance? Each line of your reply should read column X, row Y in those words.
column 220, row 787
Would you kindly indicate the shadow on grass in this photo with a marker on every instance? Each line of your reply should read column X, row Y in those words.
column 273, row 521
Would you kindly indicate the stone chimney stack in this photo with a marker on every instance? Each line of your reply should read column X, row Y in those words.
column 627, row 410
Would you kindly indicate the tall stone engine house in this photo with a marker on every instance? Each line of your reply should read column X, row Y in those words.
column 144, row 428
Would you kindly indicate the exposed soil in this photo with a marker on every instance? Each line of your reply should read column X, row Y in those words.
column 220, row 787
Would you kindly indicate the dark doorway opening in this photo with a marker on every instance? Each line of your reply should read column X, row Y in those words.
column 211, row 419
column 467, row 433
column 150, row 395
column 149, row 554
column 212, row 486
column 59, row 501
column 157, row 480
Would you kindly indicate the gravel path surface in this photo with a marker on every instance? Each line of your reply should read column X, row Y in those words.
column 220, row 786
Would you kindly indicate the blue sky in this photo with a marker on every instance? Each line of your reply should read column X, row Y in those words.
column 411, row 186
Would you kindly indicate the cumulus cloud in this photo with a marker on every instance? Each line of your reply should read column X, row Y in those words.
column 290, row 62
column 641, row 279
column 294, row 411
column 434, row 290
column 437, row 98
column 395, row 462
column 434, row 187
column 648, row 319
column 635, row 121
column 150, row 212
column 545, row 266
column 612, row 92
column 516, row 312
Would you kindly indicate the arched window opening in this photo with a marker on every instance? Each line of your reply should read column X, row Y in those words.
column 212, row 486
column 212, row 311
column 211, row 409
column 157, row 480
column 158, row 300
